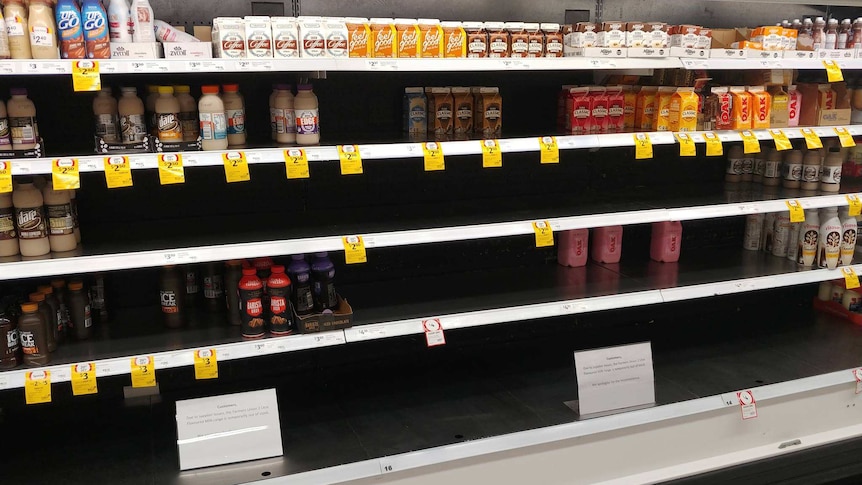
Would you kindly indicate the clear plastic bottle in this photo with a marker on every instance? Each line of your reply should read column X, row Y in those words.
column 213, row 120
column 854, row 40
column 831, row 38
column 285, row 119
column 105, row 111
column 61, row 222
column 43, row 30
column 17, row 29
column 234, row 106
column 307, row 116
column 188, row 113
column 131, row 109
column 30, row 219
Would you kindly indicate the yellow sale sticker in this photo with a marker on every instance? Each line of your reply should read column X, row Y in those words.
column 85, row 76
column 64, row 173
column 713, row 145
column 549, row 151
column 84, row 379
column 206, row 364
column 118, row 172
column 143, row 371
column 833, row 71
column 812, row 141
column 5, row 176
column 171, row 169
column 686, row 145
column 845, row 137
column 781, row 141
column 544, row 234
column 37, row 387
column 433, row 154
column 854, row 205
column 354, row 249
column 235, row 167
column 797, row 214
column 351, row 160
column 851, row 279
column 643, row 146
column 296, row 163
column 749, row 142
column 492, row 157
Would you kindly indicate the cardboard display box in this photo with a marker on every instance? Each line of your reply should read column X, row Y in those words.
column 340, row 319
column 813, row 112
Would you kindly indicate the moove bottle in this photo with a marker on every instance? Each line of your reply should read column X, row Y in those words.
column 45, row 311
column 168, row 114
column 17, row 29
column 232, row 275
column 285, row 117
column 251, row 304
column 849, row 228
column 80, row 311
column 607, row 245
column 105, row 111
column 22, row 120
column 279, row 314
column 188, row 113
column 753, row 232
column 30, row 219
column 829, row 245
column 792, row 169
column 172, row 287
column 133, row 127
column 70, row 30
column 234, row 106
column 213, row 120
column 57, row 319
column 43, row 30
column 33, row 336
column 572, row 250
column 213, row 283
column 300, row 275
column 8, row 233
column 323, row 281
column 61, row 222
column 307, row 116
column 809, row 239
column 830, row 173
column 666, row 241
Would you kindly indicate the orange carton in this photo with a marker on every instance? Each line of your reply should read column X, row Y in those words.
column 741, row 118
column 454, row 42
column 358, row 33
column 761, row 106
column 430, row 38
column 382, row 41
column 645, row 108
column 662, row 119
column 407, row 38
column 683, row 110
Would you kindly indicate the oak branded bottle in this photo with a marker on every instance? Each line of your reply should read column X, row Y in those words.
column 172, row 287
column 279, row 314
column 251, row 304
column 79, row 308
column 34, row 338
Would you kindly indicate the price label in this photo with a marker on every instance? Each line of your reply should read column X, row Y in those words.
column 492, row 157
column 686, row 145
column 781, row 141
column 171, row 169
column 747, row 404
column 797, row 214
column 812, row 141
column 84, row 379
column 548, row 149
column 206, row 364
column 5, row 176
column 713, row 145
column 235, row 167
column 833, row 71
column 354, row 249
column 855, row 205
column 845, row 137
column 851, row 279
column 749, row 142
column 118, row 172
column 433, row 153
column 143, row 371
column 296, row 163
column 351, row 161
column 544, row 234
column 37, row 387
column 643, row 146
column 64, row 173
column 85, row 76
column 433, row 332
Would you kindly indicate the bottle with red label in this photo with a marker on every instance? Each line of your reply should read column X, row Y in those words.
column 279, row 316
column 172, row 289
column 251, row 307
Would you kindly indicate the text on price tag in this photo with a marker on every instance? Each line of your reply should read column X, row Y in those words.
column 85, row 76
column 797, row 213
column 5, row 176
column 37, row 387
column 433, row 332
column 544, row 234
column 206, row 364
column 857, row 373
column 548, row 149
column 433, row 155
column 171, row 169
column 354, row 249
column 747, row 404
column 833, row 71
column 750, row 144
column 84, row 379
column 350, row 159
column 714, row 147
column 781, row 141
column 854, row 205
column 235, row 167
column 845, row 137
column 851, row 279
column 643, row 146
column 118, row 172
column 492, row 157
column 143, row 371
column 65, row 175
column 812, row 140
column 296, row 163
column 686, row 145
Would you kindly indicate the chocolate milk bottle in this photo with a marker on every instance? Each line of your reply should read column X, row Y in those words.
column 105, row 111
column 10, row 347
column 47, row 317
column 17, row 29
column 61, row 222
column 251, row 304
column 60, row 292
column 8, row 234
column 133, row 128
column 170, row 128
column 33, row 336
column 172, row 287
column 79, row 310
column 463, row 104
column 30, row 219
column 22, row 120
column 57, row 317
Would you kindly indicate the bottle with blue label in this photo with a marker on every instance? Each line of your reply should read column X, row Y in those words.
column 300, row 275
column 70, row 30
column 96, row 33
column 323, row 278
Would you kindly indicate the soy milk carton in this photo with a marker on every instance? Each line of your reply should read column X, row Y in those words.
column 229, row 38
column 258, row 34
column 285, row 37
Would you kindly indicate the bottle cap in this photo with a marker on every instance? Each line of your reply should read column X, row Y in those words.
column 76, row 285
column 298, row 257
column 58, row 283
column 152, row 89
column 18, row 91
column 249, row 272
column 37, row 297
column 209, row 89
column 182, row 89
column 230, row 88
column 46, row 289
column 304, row 87
column 278, row 269
column 166, row 90
column 30, row 307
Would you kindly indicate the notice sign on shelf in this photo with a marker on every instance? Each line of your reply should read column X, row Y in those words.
column 614, row 378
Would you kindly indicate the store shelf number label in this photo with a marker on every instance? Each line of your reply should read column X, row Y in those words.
column 37, row 387
column 713, row 145
column 833, row 71
column 143, row 371
column 64, row 174
column 433, row 154
column 845, row 137
column 550, row 151
column 85, row 76
column 84, row 379
column 797, row 214
column 433, row 332
column 812, row 141
column 544, row 234
column 296, row 163
column 118, row 172
column 854, row 205
column 235, row 167
column 354, row 249
column 171, row 169
column 492, row 157
column 749, row 142
column 5, row 176
column 851, row 279
column 351, row 160
column 781, row 141
column 747, row 404
column 643, row 146
column 206, row 364
column 686, row 145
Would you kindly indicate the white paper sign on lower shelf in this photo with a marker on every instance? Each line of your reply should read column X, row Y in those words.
column 614, row 378
column 228, row 429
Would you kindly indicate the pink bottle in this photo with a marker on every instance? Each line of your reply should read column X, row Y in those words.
column 607, row 244
column 666, row 241
column 572, row 249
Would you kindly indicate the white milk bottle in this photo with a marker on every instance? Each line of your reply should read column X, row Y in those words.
column 829, row 244
column 22, row 120
column 285, row 119
column 5, row 53
column 213, row 120
column 848, row 236
column 8, row 235
column 131, row 109
column 809, row 239
column 30, row 219
column 188, row 113
column 5, row 135
column 307, row 116
column 16, row 29
column 105, row 111
column 234, row 106
column 61, row 223
column 168, row 115
column 120, row 21
column 142, row 21
column 43, row 30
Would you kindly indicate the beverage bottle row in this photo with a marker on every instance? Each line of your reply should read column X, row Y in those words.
column 607, row 244
column 794, row 169
column 34, row 222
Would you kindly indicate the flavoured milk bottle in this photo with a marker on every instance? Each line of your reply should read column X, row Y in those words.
column 30, row 219
column 829, row 244
column 307, row 116
column 8, row 235
column 213, row 120
column 168, row 114
column 4, row 39
column 234, row 106
column 120, row 21
column 22, row 120
column 16, row 29
column 666, row 241
column 848, row 237
column 573, row 246
column 70, row 30
column 5, row 136
column 43, row 38
column 105, row 111
column 188, row 113
column 285, row 116
column 96, row 34
column 61, row 224
column 131, row 109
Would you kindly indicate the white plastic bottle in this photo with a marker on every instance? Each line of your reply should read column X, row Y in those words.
column 234, row 106
column 8, row 234
column 120, row 21
column 166, row 33
column 22, row 120
column 5, row 53
column 17, row 30
column 848, row 237
column 307, row 116
column 213, row 120
column 809, row 239
column 60, row 220
column 829, row 244
column 30, row 219
column 142, row 21
column 285, row 119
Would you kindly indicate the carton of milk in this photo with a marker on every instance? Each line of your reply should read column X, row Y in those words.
column 312, row 37
column 335, row 30
column 285, row 37
column 258, row 35
column 229, row 37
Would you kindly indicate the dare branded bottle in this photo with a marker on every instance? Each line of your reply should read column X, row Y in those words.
column 251, row 304
column 279, row 315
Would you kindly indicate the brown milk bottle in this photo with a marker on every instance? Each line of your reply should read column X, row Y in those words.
column 45, row 311
column 188, row 113
column 17, row 29
column 22, row 120
column 172, row 286
column 131, row 109
column 105, row 111
column 30, row 219
column 8, row 234
column 79, row 309
column 61, row 222
column 34, row 338
column 62, row 295
column 168, row 114
column 58, row 319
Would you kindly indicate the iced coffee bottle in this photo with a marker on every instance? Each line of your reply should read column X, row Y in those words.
column 830, row 172
column 22, row 120
column 307, row 116
column 213, row 120
column 30, row 219
column 5, row 134
column 188, row 113
column 234, row 106
column 792, row 169
column 285, row 118
column 105, row 111
column 811, row 170
column 8, row 234
column 168, row 114
column 50, row 324
column 43, row 30
column 131, row 109
column 61, row 222
column 79, row 310
column 17, row 29
column 150, row 106
column 34, row 338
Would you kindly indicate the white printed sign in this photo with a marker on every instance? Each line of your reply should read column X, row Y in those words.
column 614, row 378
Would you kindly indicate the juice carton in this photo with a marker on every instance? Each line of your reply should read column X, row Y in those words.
column 407, row 38
column 598, row 110
column 358, row 33
column 382, row 40
column 683, row 110
column 662, row 119
column 581, row 112
column 430, row 38
column 616, row 110
column 761, row 107
column 741, row 115
column 645, row 108
column 454, row 43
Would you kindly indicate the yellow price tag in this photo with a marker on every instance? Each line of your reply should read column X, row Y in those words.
column 143, row 371
column 118, row 172
column 544, row 234
column 296, row 163
column 781, row 141
column 845, row 137
column 797, row 214
column 64, row 173
column 812, row 141
column 37, row 387
column 171, row 169
column 714, row 147
column 749, row 142
column 686, row 145
column 433, row 153
column 855, row 205
column 5, row 176
column 643, row 146
column 84, row 379
column 550, row 152
column 85, row 76
column 851, row 279
column 354, row 249
column 351, row 160
column 235, row 167
column 833, row 71
column 206, row 364
column 492, row 157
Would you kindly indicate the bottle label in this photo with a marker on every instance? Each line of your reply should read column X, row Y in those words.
column 28, row 342
column 213, row 126
column 7, row 224
column 793, row 171
column 170, row 128
column 88, row 318
column 41, row 37
column 734, row 166
column 14, row 27
column 169, row 301
column 235, row 121
column 106, row 126
column 307, row 122
column 771, row 169
column 60, row 220
column 278, row 118
column 192, row 283
column 11, row 342
column 133, row 128
column 280, row 320
column 213, row 287
column 23, row 129
column 830, row 175
column 810, row 173
column 251, row 312
column 5, row 137
column 31, row 223
column 189, row 121
column 303, row 299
